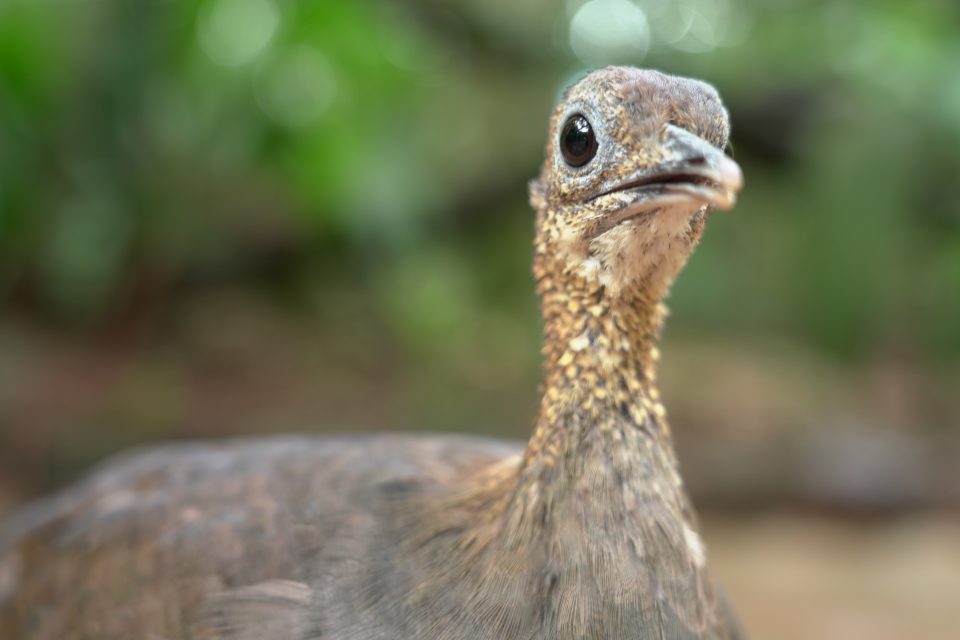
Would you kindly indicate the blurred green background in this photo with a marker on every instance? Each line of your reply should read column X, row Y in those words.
column 221, row 217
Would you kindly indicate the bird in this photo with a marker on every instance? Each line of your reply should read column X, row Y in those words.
column 584, row 532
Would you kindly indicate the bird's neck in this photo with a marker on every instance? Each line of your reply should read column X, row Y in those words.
column 601, row 424
column 600, row 354
column 597, row 486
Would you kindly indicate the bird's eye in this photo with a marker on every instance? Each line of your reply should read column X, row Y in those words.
column 577, row 141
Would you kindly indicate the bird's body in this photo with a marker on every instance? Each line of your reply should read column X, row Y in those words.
column 586, row 533
column 369, row 538
column 141, row 546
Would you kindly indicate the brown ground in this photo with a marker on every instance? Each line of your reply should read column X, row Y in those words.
column 797, row 578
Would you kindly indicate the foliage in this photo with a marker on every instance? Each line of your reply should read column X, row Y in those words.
column 147, row 146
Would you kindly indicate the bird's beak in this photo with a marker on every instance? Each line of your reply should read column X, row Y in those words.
column 692, row 170
column 696, row 168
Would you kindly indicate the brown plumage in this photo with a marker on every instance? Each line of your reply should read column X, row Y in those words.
column 586, row 533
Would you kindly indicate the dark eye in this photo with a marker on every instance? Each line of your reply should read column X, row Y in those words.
column 577, row 141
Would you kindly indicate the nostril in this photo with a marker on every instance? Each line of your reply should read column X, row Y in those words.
column 697, row 161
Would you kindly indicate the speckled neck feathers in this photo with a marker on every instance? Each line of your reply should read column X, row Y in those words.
column 600, row 359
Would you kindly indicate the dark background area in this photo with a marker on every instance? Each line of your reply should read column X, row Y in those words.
column 224, row 217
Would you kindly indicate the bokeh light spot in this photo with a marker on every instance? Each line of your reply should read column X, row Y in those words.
column 297, row 87
column 604, row 31
column 697, row 26
column 235, row 32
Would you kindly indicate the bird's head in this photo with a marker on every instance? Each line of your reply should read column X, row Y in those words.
column 634, row 162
